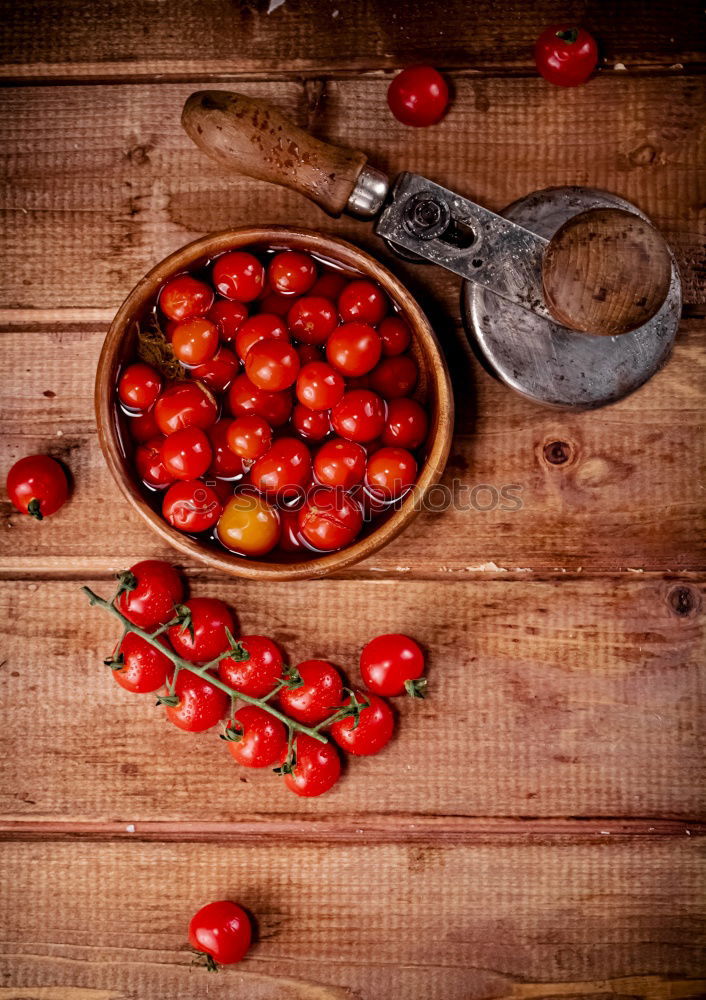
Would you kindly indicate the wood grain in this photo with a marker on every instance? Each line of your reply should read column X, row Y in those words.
column 55, row 39
column 546, row 700
column 460, row 923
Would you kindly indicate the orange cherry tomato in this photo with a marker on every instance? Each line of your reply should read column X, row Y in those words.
column 249, row 525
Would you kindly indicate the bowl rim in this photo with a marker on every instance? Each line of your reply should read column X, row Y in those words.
column 345, row 253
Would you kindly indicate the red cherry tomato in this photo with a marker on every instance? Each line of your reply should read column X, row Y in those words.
column 317, row 767
column 329, row 286
column 249, row 437
column 319, row 386
column 224, row 463
column 187, row 454
column 139, row 386
column 340, row 463
column 222, row 930
column 314, row 425
column 292, row 273
column 407, row 424
column 244, row 399
column 249, row 525
column 395, row 335
column 184, row 296
column 284, row 469
column 257, row 675
column 150, row 465
column 263, row 739
column 391, row 664
column 360, row 416
column 228, row 317
column 191, row 506
column 418, row 96
column 158, row 588
column 144, row 668
column 272, row 365
column 219, row 372
column 264, row 326
column 290, row 540
column 194, row 341
column 37, row 485
column 206, row 638
column 275, row 303
column 185, row 404
column 565, row 55
column 238, row 275
column 143, row 426
column 395, row 377
column 317, row 698
column 201, row 705
column 354, row 348
column 330, row 519
column 308, row 354
column 390, row 473
column 362, row 302
column 376, row 724
column 312, row 318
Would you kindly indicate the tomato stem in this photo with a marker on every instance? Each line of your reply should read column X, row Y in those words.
column 568, row 35
column 33, row 509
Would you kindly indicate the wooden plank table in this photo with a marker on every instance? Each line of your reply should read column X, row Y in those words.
column 536, row 829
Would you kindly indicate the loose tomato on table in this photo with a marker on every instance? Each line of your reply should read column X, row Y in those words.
column 224, row 463
column 340, row 463
column 319, row 386
column 418, row 96
column 150, row 464
column 185, row 404
column 284, row 469
column 263, row 326
column 257, row 675
column 245, row 398
column 317, row 697
column 139, row 386
column 330, row 519
column 238, row 275
column 371, row 732
column 360, row 416
column 204, row 637
column 272, row 365
column 194, row 341
column 394, row 377
column 406, row 425
column 566, row 55
column 222, row 931
column 392, row 664
column 362, row 301
column 37, row 485
column 317, row 767
column 314, row 425
column 249, row 525
column 256, row 738
column 200, row 705
column 154, row 588
column 353, row 349
column 185, row 296
column 187, row 454
column 390, row 473
column 291, row 272
column 219, row 372
column 143, row 668
column 249, row 437
column 191, row 506
column 312, row 318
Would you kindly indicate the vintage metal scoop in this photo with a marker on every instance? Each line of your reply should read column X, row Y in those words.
column 571, row 296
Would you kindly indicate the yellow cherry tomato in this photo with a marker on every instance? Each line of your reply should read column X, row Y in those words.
column 249, row 525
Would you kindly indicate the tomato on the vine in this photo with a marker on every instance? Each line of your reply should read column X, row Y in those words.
column 418, row 96
column 222, row 930
column 257, row 675
column 272, row 365
column 150, row 465
column 362, row 301
column 317, row 698
column 249, row 437
column 156, row 588
column 373, row 730
column 319, row 386
column 186, row 454
column 205, row 637
column 394, row 377
column 291, row 272
column 194, row 341
column 340, row 463
column 263, row 326
column 566, row 55
column 144, row 668
column 360, row 416
column 312, row 318
column 392, row 664
column 249, row 525
column 37, row 485
column 317, row 767
column 191, row 506
column 201, row 705
column 238, row 275
column 184, row 296
column 353, row 349
column 185, row 404
column 261, row 739
column 219, row 372
column 245, row 398
column 139, row 386
column 407, row 424
column 390, row 472
column 284, row 469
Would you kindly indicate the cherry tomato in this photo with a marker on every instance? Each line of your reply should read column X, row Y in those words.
column 354, row 348
column 330, row 519
column 275, row 303
column 219, row 372
column 158, row 588
column 395, row 335
column 329, row 286
column 184, row 296
column 292, row 273
column 143, row 426
column 284, row 469
column 186, row 454
column 249, row 437
column 37, row 485
column 362, row 302
column 185, row 404
column 249, row 525
column 395, row 377
column 374, row 730
column 194, row 341
column 244, row 399
column 264, row 326
column 312, row 318
column 390, row 473
column 311, row 424
column 259, row 674
column 263, row 739
column 308, row 353
column 191, row 506
column 565, row 55
column 272, row 365
column 290, row 540
column 238, row 275
column 360, row 416
column 150, row 465
column 228, row 317
column 206, row 637
column 318, row 697
column 418, row 96
column 201, row 705
column 319, row 386
column 391, row 664
column 317, row 767
column 222, row 930
column 407, row 424
column 224, row 463
column 139, row 386
column 144, row 668
column 340, row 463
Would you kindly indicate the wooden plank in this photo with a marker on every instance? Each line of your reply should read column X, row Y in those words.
column 639, row 465
column 125, row 39
column 547, row 700
column 102, row 182
column 392, row 922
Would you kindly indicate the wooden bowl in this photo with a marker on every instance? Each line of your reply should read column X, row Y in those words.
column 434, row 391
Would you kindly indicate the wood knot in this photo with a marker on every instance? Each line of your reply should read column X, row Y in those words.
column 557, row 452
column 683, row 601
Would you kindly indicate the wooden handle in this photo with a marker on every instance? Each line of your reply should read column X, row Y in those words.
column 606, row 271
column 257, row 140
